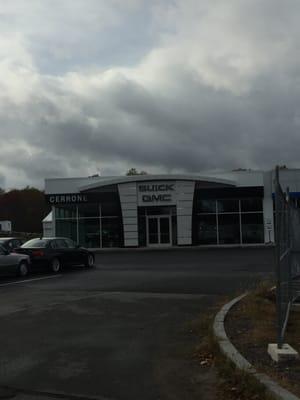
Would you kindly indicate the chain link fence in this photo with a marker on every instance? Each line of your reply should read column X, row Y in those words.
column 287, row 219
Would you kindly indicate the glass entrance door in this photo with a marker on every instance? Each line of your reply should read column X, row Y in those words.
column 159, row 230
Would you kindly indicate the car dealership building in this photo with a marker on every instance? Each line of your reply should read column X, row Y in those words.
column 228, row 208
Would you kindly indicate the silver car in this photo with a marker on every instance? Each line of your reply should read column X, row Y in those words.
column 13, row 263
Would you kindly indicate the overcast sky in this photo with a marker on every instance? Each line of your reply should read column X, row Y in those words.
column 98, row 86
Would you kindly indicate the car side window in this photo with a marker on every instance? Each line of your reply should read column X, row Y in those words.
column 2, row 251
column 61, row 244
column 70, row 244
column 53, row 244
column 16, row 243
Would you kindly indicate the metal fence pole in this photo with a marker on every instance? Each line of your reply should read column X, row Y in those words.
column 277, row 257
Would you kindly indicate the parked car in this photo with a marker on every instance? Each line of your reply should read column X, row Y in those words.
column 55, row 253
column 10, row 243
column 13, row 263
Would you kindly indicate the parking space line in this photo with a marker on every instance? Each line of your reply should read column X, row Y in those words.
column 30, row 280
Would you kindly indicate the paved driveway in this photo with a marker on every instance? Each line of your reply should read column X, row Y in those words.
column 123, row 329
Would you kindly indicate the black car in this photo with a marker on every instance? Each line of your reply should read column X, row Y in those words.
column 55, row 253
column 10, row 243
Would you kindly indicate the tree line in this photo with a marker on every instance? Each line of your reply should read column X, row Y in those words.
column 25, row 208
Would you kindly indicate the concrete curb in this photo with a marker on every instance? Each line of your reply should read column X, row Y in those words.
column 97, row 250
column 228, row 349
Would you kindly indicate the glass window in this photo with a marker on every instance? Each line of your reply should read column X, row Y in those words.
column 35, row 243
column 254, row 204
column 206, row 229
column 2, row 250
column 67, row 228
column 229, row 228
column 70, row 244
column 68, row 211
column 91, row 210
column 53, row 244
column 142, row 231
column 89, row 232
column 228, row 205
column 206, row 206
column 111, row 232
column 253, row 228
column 110, row 209
column 60, row 244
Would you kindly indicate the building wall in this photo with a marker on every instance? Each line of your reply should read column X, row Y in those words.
column 178, row 194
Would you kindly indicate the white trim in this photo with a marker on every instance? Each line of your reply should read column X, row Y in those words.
column 142, row 178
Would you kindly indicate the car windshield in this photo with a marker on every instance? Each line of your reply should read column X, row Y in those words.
column 35, row 243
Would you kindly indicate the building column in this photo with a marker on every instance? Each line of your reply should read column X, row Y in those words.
column 128, row 199
column 184, row 208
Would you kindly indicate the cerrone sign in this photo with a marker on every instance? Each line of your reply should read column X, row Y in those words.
column 67, row 198
column 156, row 193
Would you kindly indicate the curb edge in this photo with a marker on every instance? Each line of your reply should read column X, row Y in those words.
column 230, row 351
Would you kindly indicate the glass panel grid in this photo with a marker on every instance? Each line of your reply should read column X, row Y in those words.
column 235, row 229
column 97, row 231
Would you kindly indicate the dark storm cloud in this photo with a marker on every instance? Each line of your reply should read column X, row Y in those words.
column 222, row 93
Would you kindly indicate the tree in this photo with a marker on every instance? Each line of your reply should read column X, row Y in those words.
column 25, row 208
column 134, row 171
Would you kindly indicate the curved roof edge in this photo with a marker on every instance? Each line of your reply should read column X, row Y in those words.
column 143, row 178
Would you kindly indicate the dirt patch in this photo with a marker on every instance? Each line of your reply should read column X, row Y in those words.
column 251, row 326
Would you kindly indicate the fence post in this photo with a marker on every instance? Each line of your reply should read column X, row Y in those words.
column 277, row 255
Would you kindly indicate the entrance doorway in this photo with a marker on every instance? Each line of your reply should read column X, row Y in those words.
column 159, row 232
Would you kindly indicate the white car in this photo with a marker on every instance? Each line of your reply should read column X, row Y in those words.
column 13, row 263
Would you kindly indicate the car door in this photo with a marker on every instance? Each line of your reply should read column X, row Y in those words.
column 75, row 253
column 63, row 251
column 6, row 261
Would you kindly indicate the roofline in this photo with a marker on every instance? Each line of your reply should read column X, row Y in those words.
column 143, row 178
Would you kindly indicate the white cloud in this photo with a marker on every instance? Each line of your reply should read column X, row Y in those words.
column 218, row 88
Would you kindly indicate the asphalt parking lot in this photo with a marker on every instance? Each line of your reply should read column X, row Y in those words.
column 122, row 329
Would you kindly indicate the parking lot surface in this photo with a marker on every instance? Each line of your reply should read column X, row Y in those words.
column 122, row 329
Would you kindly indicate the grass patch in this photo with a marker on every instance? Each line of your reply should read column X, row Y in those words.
column 232, row 383
column 251, row 325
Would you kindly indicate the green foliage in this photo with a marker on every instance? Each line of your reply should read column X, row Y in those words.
column 25, row 208
column 134, row 171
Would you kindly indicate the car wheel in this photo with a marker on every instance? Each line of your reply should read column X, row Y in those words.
column 23, row 269
column 55, row 265
column 89, row 261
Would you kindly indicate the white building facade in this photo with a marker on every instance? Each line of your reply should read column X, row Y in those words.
column 234, row 208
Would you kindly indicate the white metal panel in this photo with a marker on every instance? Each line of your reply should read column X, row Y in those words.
column 131, row 235
column 129, row 213
column 185, row 195
column 128, row 199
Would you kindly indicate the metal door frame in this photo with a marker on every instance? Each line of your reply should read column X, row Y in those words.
column 158, row 217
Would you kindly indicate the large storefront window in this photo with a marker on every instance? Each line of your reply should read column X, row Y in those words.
column 111, row 232
column 67, row 228
column 91, row 225
column 229, row 228
column 252, row 228
column 207, row 229
column 89, row 232
column 228, row 221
